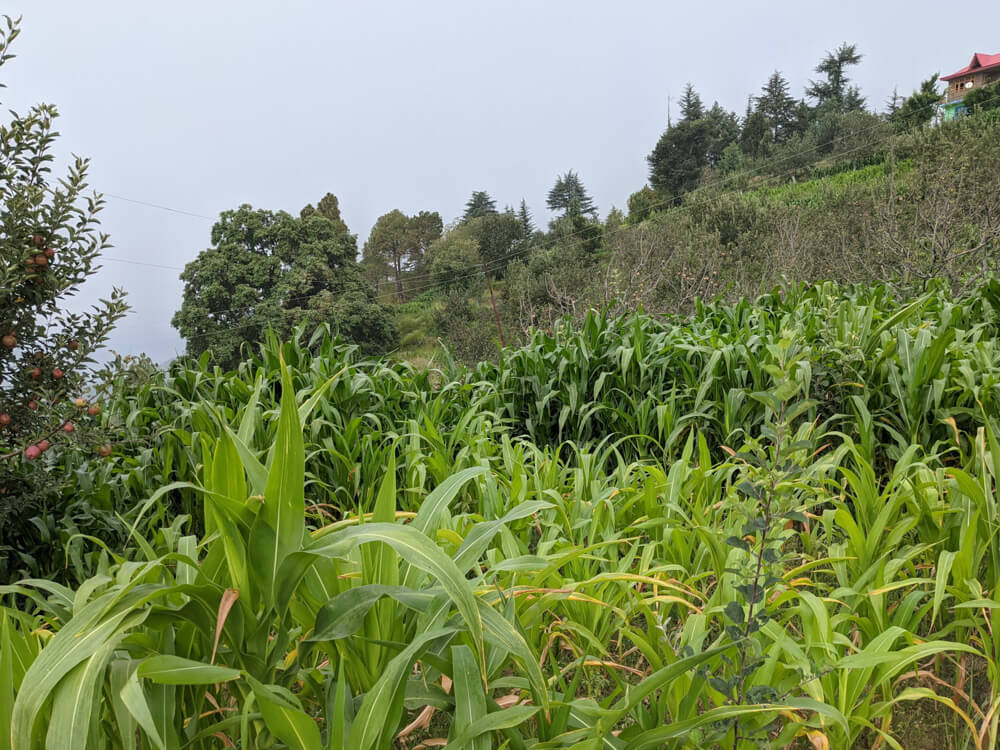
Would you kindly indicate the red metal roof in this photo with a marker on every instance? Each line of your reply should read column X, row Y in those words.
column 980, row 61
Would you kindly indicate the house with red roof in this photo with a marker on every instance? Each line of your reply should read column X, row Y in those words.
column 982, row 71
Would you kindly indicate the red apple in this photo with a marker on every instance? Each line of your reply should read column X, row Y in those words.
column 4, row 419
column 44, row 445
column 32, row 452
column 68, row 427
column 10, row 340
column 57, row 373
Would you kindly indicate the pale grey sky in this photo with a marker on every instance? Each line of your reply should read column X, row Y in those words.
column 201, row 106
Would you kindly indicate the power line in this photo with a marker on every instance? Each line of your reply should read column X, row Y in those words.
column 141, row 263
column 161, row 207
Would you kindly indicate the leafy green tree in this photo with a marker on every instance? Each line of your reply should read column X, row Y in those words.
column 680, row 156
column 524, row 218
column 777, row 106
column 480, row 204
column 833, row 94
column 328, row 207
column 691, row 105
column 570, row 197
column 397, row 243
column 387, row 246
column 983, row 99
column 230, row 289
column 269, row 270
column 424, row 228
column 323, row 284
column 497, row 236
column 918, row 108
column 453, row 260
column 642, row 203
column 50, row 244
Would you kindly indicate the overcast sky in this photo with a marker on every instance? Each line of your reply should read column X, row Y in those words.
column 202, row 106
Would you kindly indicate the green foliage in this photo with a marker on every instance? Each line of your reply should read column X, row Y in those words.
column 918, row 108
column 480, row 204
column 570, row 197
column 268, row 270
column 397, row 245
column 777, row 106
column 50, row 244
column 680, row 155
column 983, row 99
column 743, row 529
column 498, row 237
column 833, row 95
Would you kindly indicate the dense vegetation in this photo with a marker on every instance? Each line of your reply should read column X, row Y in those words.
column 772, row 520
column 675, row 513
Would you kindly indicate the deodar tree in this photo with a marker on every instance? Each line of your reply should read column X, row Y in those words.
column 49, row 245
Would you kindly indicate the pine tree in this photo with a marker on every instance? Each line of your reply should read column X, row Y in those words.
column 893, row 103
column 777, row 106
column 680, row 156
column 833, row 93
column 918, row 108
column 480, row 204
column 724, row 128
column 524, row 217
column 691, row 105
column 570, row 196
column 755, row 135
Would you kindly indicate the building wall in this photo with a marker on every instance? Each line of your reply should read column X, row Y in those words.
column 956, row 88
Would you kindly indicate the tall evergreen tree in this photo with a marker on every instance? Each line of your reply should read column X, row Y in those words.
column 691, row 105
column 677, row 160
column 755, row 135
column 918, row 108
column 777, row 106
column 570, row 196
column 524, row 217
column 480, row 204
column 724, row 128
column 833, row 94
column 893, row 103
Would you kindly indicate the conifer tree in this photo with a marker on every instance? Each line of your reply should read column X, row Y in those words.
column 570, row 197
column 480, row 204
column 777, row 106
column 524, row 217
column 833, row 93
column 691, row 105
column 918, row 108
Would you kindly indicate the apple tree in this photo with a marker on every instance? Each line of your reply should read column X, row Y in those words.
column 49, row 245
